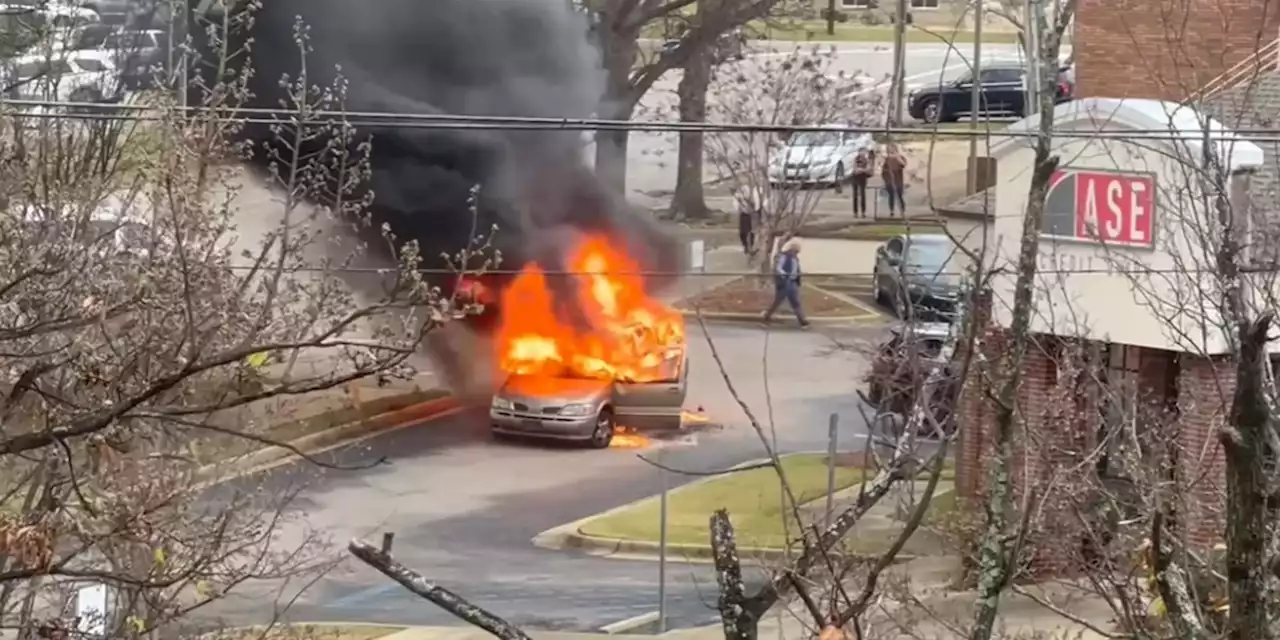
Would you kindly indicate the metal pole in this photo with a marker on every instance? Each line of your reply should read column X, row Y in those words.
column 832, row 422
column 899, row 63
column 662, row 552
column 1032, row 38
column 975, row 98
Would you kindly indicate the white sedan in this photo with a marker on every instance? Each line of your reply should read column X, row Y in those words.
column 817, row 157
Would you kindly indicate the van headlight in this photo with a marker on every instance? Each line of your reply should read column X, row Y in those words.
column 576, row 410
column 502, row 404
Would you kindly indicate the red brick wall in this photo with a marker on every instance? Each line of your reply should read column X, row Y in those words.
column 1165, row 48
column 1205, row 389
column 1051, row 439
column 974, row 413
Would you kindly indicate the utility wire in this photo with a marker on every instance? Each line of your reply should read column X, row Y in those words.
column 93, row 111
column 1263, row 269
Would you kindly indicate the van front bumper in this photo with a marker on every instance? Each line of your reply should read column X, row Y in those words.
column 520, row 423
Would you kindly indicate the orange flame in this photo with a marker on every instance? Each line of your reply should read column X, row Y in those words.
column 628, row 438
column 629, row 337
column 689, row 417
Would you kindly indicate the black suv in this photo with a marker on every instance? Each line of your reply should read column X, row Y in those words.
column 1003, row 89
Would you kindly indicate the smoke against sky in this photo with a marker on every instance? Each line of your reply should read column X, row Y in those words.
column 470, row 57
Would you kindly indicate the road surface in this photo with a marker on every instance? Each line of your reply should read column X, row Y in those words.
column 464, row 508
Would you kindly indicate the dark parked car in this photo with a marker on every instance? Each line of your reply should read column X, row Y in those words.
column 138, row 54
column 1004, row 93
column 732, row 45
column 916, row 275
column 913, row 355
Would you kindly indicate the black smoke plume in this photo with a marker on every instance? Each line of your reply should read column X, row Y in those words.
column 466, row 57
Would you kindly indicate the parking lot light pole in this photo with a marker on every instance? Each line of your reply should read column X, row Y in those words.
column 662, row 546
column 975, row 98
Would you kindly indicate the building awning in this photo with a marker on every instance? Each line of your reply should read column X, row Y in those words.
column 1167, row 122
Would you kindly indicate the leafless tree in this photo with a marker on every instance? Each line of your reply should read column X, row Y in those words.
column 1002, row 541
column 134, row 313
column 621, row 26
column 798, row 88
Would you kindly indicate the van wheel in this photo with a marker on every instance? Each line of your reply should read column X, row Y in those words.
column 602, row 435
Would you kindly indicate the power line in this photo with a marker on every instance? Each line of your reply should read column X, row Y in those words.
column 375, row 120
column 1109, row 271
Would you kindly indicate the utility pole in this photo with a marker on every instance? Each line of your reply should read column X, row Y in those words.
column 1034, row 68
column 831, row 17
column 975, row 98
column 899, row 64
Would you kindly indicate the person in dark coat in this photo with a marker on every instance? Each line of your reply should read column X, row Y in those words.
column 858, row 182
column 786, row 283
column 750, row 208
column 893, row 171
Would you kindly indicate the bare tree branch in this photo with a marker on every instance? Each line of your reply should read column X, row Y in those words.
column 380, row 559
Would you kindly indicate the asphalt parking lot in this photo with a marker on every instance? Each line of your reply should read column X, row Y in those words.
column 857, row 287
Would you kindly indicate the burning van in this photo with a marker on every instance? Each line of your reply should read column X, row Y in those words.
column 616, row 362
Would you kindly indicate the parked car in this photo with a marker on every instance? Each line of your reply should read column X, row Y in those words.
column 110, row 228
column 917, row 275
column 66, row 77
column 58, row 13
column 139, row 55
column 817, row 157
column 589, row 410
column 912, row 355
column 109, row 11
column 731, row 46
column 1004, row 93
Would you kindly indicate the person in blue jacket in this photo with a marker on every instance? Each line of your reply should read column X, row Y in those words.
column 786, row 283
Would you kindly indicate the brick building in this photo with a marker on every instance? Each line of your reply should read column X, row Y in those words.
column 1122, row 343
column 1166, row 49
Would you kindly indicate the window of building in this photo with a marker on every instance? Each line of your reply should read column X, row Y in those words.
column 856, row 4
column 1119, row 431
column 924, row 4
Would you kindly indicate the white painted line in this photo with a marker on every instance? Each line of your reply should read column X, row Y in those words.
column 630, row 623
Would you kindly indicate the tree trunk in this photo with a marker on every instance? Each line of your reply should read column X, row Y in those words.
column 689, row 201
column 1249, row 511
column 997, row 561
column 740, row 620
column 619, row 50
column 611, row 158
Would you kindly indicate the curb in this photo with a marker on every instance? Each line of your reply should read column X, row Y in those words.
column 570, row 536
column 270, row 457
column 632, row 623
column 731, row 317
column 851, row 236
column 233, row 632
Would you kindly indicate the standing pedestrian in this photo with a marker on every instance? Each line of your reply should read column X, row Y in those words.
column 750, row 207
column 858, row 183
column 893, row 171
column 786, row 283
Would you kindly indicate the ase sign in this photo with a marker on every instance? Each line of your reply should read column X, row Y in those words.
column 1101, row 206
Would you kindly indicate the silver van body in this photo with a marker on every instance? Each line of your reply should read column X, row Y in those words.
column 590, row 410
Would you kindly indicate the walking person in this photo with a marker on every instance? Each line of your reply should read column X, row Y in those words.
column 858, row 183
column 750, row 206
column 786, row 283
column 893, row 171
